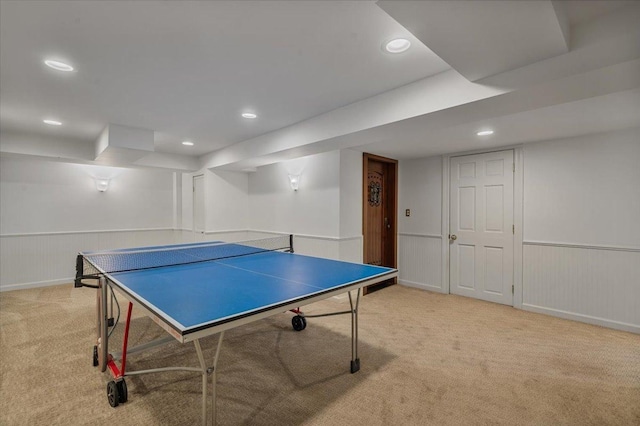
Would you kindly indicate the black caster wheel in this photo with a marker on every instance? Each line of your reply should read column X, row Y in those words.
column 122, row 391
column 112, row 394
column 299, row 323
column 95, row 356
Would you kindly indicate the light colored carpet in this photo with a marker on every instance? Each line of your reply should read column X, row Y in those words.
column 427, row 359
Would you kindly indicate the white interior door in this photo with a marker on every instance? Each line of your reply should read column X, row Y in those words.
column 198, row 204
column 481, row 226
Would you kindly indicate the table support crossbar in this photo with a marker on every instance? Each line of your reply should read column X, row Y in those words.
column 325, row 315
column 161, row 369
column 145, row 346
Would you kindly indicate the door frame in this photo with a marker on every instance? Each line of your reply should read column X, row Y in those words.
column 518, row 211
column 393, row 208
column 193, row 204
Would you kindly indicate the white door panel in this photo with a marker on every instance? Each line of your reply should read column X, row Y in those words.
column 467, row 263
column 481, row 210
column 493, row 269
column 467, row 216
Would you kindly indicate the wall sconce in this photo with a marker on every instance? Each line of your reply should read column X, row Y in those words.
column 294, row 180
column 102, row 184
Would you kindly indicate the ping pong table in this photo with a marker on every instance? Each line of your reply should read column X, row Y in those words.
column 198, row 290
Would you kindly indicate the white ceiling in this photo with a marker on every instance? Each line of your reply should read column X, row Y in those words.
column 498, row 35
column 188, row 69
column 314, row 72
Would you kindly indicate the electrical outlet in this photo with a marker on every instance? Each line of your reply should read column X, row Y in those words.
column 407, row 212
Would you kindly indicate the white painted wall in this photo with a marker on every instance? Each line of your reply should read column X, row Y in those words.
column 42, row 196
column 350, row 193
column 49, row 211
column 177, row 201
column 35, row 260
column 419, row 235
column 584, row 190
column 312, row 210
column 581, row 254
column 420, row 189
column 351, row 239
column 325, row 214
column 594, row 285
column 581, row 248
column 187, row 200
column 59, row 203
column 226, row 200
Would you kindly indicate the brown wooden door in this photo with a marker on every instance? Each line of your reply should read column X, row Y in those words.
column 379, row 211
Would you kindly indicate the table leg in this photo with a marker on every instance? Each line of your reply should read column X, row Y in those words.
column 355, row 361
column 206, row 371
column 103, row 343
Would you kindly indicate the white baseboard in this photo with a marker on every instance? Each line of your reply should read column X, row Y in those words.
column 23, row 286
column 632, row 328
column 421, row 286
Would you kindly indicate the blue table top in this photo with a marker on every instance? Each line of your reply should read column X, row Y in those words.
column 199, row 295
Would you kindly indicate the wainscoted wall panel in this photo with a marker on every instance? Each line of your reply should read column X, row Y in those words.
column 419, row 260
column 31, row 260
column 328, row 248
column 595, row 285
column 34, row 260
column 348, row 249
column 351, row 249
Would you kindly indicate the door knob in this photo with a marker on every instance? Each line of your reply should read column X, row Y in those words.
column 453, row 237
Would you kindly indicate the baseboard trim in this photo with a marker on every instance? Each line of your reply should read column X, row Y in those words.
column 617, row 325
column 421, row 286
column 579, row 246
column 37, row 284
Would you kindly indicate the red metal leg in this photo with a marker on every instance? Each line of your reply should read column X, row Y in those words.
column 126, row 338
column 113, row 367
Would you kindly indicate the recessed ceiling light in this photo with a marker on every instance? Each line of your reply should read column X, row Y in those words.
column 187, row 143
column 485, row 133
column 397, row 45
column 57, row 65
column 52, row 122
column 249, row 115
